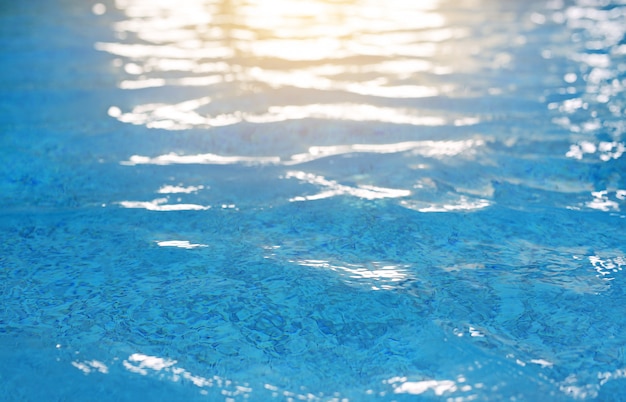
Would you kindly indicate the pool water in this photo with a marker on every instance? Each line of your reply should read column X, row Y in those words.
column 314, row 200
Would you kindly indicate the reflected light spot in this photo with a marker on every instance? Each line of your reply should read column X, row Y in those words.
column 432, row 149
column 606, row 150
column 168, row 369
column 466, row 121
column 463, row 203
column 376, row 275
column 537, row 18
column 475, row 332
column 98, row 9
column 542, row 362
column 114, row 111
column 571, row 105
column 160, row 205
column 132, row 68
column 180, row 244
column 200, row 159
column 88, row 366
column 177, row 189
column 570, row 78
column 605, row 267
column 347, row 111
column 331, row 188
column 139, row 84
column 601, row 202
column 419, row 387
column 138, row 363
column 173, row 117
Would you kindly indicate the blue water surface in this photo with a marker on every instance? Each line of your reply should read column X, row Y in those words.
column 318, row 200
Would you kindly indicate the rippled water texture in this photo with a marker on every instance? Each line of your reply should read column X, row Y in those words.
column 312, row 200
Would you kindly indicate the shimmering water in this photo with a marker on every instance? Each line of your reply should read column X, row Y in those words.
column 312, row 200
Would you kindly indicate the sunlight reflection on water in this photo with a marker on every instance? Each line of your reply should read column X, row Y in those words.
column 364, row 50
column 209, row 64
column 483, row 131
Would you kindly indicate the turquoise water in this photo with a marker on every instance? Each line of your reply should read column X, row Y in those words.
column 321, row 200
